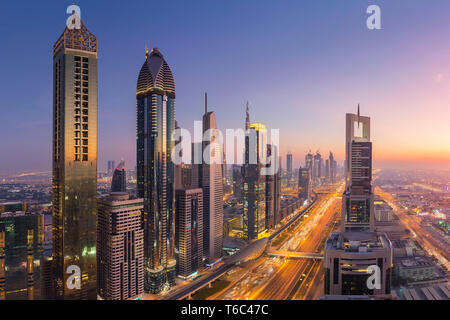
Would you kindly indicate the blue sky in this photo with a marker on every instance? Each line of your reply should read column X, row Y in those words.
column 301, row 64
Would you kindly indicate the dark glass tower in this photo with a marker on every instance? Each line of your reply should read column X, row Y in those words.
column 74, row 182
column 155, row 95
column 119, row 180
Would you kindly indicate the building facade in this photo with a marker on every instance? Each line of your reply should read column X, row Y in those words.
column 21, row 251
column 74, row 180
column 189, row 231
column 155, row 95
column 120, row 247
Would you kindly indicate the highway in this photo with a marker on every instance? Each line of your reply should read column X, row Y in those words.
column 221, row 270
column 279, row 278
column 431, row 244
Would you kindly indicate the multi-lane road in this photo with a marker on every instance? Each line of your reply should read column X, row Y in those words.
column 428, row 240
column 280, row 278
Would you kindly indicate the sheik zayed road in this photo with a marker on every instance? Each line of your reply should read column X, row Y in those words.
column 278, row 278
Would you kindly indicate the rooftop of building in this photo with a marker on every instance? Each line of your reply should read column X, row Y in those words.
column 414, row 262
column 361, row 242
column 18, row 214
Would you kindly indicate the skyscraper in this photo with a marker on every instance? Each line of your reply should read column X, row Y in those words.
column 119, row 180
column 289, row 164
column 304, row 183
column 120, row 247
column 212, row 186
column 74, row 181
column 155, row 95
column 349, row 254
column 309, row 161
column 238, row 191
column 254, row 219
column 317, row 166
column 332, row 167
column 189, row 231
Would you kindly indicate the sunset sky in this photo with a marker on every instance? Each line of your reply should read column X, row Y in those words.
column 301, row 64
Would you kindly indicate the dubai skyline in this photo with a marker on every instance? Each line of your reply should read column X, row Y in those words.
column 312, row 61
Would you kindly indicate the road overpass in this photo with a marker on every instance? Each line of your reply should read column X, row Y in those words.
column 295, row 255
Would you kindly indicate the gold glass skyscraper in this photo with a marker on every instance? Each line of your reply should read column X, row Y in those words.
column 74, row 181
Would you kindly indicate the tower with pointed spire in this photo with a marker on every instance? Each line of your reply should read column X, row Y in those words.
column 212, row 185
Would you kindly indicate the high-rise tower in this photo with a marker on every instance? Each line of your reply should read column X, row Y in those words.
column 119, row 179
column 357, row 249
column 212, row 186
column 74, row 181
column 155, row 95
column 254, row 219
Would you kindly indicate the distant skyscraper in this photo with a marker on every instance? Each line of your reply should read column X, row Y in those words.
column 304, row 183
column 350, row 253
column 332, row 168
column 155, row 95
column 119, row 180
column 212, row 186
column 289, row 164
column 309, row 161
column 254, row 220
column 74, row 197
column 120, row 247
column 317, row 166
column 327, row 169
column 189, row 230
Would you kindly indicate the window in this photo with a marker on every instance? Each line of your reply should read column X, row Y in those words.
column 85, row 90
column 85, row 59
column 85, row 97
column 85, row 150
column 85, row 78
column 85, row 104
column 85, row 65
column 85, row 134
column 85, row 142
column 85, row 126
column 85, row 71
column 85, row 119
column 85, row 111
column 85, row 84
column 85, row 157
column 77, row 58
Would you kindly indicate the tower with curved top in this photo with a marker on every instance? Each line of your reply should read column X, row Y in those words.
column 155, row 104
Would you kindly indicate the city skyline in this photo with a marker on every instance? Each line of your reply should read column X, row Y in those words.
column 297, row 217
column 400, row 86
